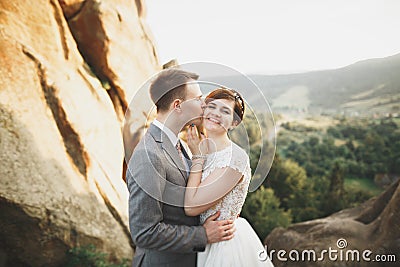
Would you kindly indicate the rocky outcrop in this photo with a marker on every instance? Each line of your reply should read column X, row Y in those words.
column 60, row 130
column 116, row 43
column 372, row 226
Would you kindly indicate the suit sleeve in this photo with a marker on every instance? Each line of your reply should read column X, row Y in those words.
column 146, row 184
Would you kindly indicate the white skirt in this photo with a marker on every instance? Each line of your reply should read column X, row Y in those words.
column 244, row 249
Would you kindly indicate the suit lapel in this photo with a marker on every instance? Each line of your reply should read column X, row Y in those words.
column 169, row 149
column 186, row 155
column 188, row 161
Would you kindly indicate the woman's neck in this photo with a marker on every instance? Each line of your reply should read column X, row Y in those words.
column 218, row 142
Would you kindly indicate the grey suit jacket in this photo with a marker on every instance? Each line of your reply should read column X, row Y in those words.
column 156, row 179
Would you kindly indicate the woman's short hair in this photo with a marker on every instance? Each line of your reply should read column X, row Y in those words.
column 229, row 94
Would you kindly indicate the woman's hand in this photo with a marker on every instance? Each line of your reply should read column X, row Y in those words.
column 197, row 145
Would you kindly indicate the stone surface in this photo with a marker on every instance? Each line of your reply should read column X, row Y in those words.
column 118, row 46
column 71, row 7
column 60, row 135
column 372, row 226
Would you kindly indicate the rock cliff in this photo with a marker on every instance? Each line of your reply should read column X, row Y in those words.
column 68, row 71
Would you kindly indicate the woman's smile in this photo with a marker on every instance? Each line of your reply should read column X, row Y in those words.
column 213, row 120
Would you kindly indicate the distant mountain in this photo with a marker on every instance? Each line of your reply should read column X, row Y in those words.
column 369, row 86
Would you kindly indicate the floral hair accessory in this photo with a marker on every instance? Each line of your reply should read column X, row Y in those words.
column 239, row 99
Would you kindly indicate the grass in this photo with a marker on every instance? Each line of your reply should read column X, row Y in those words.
column 294, row 97
column 339, row 142
column 363, row 184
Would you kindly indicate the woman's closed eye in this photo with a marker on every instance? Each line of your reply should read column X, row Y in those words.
column 211, row 106
column 223, row 109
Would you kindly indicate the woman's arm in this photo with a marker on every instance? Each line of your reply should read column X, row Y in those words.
column 200, row 196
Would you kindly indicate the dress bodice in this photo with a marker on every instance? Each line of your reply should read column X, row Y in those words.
column 231, row 204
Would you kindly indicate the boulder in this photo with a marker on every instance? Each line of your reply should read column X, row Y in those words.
column 372, row 226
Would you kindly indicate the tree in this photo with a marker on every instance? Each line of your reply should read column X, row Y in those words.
column 335, row 200
column 294, row 190
column 262, row 210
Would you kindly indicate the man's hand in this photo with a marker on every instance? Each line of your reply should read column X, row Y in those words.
column 218, row 230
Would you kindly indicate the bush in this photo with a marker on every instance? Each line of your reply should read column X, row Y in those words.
column 262, row 210
column 355, row 196
column 88, row 256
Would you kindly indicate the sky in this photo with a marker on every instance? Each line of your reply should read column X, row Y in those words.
column 273, row 37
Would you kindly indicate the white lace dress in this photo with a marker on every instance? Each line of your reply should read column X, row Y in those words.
column 245, row 248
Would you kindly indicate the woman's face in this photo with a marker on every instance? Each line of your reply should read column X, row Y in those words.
column 218, row 115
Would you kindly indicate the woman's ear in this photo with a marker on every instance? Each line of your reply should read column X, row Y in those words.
column 234, row 124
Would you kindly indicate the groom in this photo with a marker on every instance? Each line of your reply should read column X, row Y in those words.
column 157, row 176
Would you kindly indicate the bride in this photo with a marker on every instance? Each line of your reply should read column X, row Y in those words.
column 219, row 179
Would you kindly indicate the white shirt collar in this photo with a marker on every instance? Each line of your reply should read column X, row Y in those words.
column 172, row 137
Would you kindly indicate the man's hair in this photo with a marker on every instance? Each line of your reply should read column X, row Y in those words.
column 169, row 85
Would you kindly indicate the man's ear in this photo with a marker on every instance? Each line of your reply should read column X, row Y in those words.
column 176, row 104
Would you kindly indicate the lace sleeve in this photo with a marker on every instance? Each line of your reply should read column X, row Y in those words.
column 239, row 161
column 234, row 157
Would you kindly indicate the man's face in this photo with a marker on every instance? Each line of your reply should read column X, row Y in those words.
column 193, row 106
